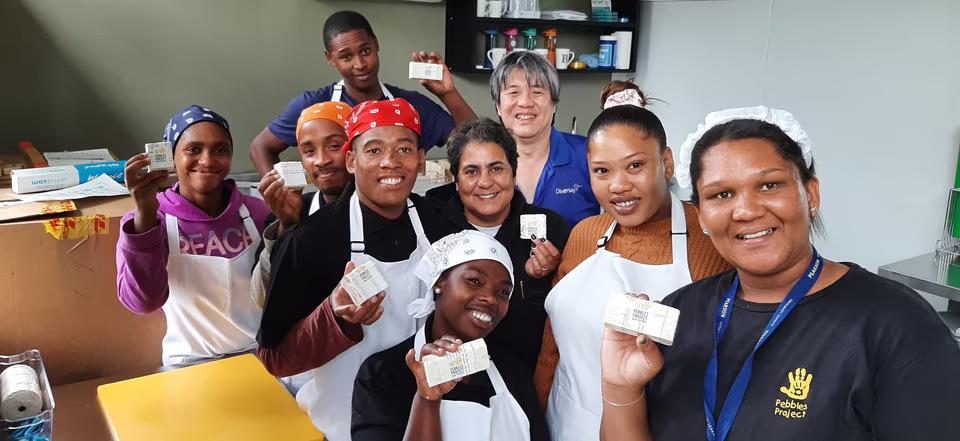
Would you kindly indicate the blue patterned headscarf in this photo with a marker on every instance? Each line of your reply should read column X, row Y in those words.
column 189, row 116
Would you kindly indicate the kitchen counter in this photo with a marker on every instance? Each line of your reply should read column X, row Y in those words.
column 932, row 275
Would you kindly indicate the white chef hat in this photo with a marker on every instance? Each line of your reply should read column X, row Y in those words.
column 450, row 251
column 781, row 118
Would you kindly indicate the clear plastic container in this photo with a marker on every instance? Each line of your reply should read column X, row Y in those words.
column 40, row 427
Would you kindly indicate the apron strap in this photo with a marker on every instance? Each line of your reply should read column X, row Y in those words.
column 678, row 229
column 499, row 387
column 173, row 234
column 419, row 341
column 338, row 91
column 356, row 225
column 386, row 93
column 250, row 225
column 606, row 236
column 357, row 244
column 314, row 203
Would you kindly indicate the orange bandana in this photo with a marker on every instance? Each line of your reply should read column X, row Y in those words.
column 333, row 111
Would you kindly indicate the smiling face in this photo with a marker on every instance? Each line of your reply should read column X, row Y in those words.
column 629, row 175
column 202, row 158
column 321, row 151
column 526, row 109
column 474, row 298
column 354, row 54
column 385, row 161
column 756, row 207
column 485, row 182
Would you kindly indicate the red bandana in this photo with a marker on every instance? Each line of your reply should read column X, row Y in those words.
column 372, row 114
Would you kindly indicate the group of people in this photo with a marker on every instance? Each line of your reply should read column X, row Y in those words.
column 762, row 312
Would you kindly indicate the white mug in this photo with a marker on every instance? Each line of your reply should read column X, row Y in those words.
column 482, row 7
column 495, row 8
column 541, row 51
column 564, row 57
column 495, row 55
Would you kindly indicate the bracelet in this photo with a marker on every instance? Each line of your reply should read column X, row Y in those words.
column 642, row 396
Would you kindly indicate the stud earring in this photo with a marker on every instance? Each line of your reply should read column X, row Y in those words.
column 706, row 231
column 436, row 290
column 813, row 211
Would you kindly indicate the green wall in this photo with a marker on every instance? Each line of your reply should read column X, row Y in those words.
column 108, row 73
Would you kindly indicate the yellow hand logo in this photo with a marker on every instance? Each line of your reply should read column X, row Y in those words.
column 799, row 384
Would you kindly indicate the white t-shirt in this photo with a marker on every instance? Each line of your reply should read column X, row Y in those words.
column 489, row 231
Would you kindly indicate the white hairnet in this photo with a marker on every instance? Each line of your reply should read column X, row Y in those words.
column 781, row 118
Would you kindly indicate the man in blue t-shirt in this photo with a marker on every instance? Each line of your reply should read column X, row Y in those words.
column 352, row 49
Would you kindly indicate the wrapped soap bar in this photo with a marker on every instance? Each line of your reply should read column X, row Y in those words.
column 426, row 71
column 636, row 316
column 292, row 174
column 533, row 224
column 161, row 156
column 363, row 282
column 471, row 358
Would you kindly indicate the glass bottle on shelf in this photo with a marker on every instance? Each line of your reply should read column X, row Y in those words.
column 510, row 39
column 491, row 44
column 530, row 38
column 550, row 42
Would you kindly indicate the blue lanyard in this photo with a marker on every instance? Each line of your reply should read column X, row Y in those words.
column 717, row 431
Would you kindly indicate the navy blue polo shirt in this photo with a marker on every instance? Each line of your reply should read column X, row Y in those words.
column 436, row 123
column 564, row 184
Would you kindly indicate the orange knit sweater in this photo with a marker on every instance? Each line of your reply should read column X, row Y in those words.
column 648, row 243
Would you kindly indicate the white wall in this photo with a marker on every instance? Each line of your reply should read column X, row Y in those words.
column 875, row 83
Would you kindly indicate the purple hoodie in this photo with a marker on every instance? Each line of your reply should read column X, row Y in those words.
column 142, row 258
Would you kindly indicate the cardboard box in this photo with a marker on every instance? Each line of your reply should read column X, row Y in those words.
column 60, row 296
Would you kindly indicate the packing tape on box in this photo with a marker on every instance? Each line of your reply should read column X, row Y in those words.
column 79, row 227
column 58, row 207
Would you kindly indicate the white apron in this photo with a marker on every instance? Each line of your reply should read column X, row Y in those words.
column 209, row 310
column 328, row 396
column 504, row 420
column 338, row 91
column 575, row 407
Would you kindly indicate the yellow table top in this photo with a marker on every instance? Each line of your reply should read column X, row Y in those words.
column 232, row 399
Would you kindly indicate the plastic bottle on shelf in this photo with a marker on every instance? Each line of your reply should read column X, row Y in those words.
column 510, row 40
column 550, row 41
column 530, row 38
column 608, row 52
column 491, row 43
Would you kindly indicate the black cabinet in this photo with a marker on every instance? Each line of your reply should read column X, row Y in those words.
column 465, row 39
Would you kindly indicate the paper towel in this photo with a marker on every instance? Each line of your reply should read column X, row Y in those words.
column 624, row 43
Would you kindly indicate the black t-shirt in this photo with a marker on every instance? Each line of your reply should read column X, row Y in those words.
column 308, row 261
column 883, row 366
column 521, row 331
column 384, row 390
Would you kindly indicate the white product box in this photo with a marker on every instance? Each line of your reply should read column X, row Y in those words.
column 472, row 357
column 363, row 282
column 161, row 156
column 636, row 316
column 426, row 71
column 292, row 174
column 535, row 224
